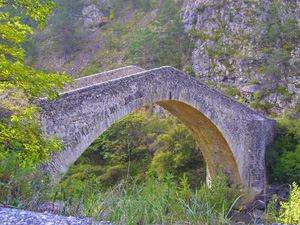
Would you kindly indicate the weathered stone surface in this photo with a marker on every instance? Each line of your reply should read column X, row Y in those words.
column 251, row 88
column 228, row 38
column 91, row 16
column 227, row 132
column 21, row 217
column 104, row 76
column 259, row 204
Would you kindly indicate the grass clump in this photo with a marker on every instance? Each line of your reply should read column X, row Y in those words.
column 23, row 187
column 154, row 202
column 148, row 202
column 232, row 92
column 290, row 211
column 253, row 82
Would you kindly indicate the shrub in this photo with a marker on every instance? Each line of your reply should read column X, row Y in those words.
column 21, row 186
column 290, row 211
column 189, row 70
column 264, row 107
column 114, row 174
column 283, row 155
column 232, row 92
column 253, row 82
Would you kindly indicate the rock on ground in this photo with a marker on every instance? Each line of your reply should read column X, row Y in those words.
column 10, row 216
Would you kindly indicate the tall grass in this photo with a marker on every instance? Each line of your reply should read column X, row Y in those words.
column 152, row 202
column 22, row 187
column 149, row 202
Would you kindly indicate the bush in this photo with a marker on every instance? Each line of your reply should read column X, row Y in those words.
column 153, row 202
column 290, row 211
column 189, row 70
column 283, row 156
column 22, row 186
column 113, row 175
column 232, row 92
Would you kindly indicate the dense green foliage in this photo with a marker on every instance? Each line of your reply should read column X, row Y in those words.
column 166, row 43
column 64, row 28
column 150, row 202
column 140, row 145
column 21, row 186
column 143, row 203
column 20, row 85
column 283, row 156
column 290, row 211
column 143, row 49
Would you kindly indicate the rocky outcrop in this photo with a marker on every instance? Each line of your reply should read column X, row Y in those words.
column 234, row 44
column 92, row 16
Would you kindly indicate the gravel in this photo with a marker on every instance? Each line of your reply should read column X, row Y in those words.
column 9, row 216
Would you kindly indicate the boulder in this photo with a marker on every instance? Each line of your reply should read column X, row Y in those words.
column 92, row 16
column 251, row 88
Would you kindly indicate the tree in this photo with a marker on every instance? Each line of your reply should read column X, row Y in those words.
column 167, row 12
column 175, row 153
column 135, row 3
column 64, row 29
column 283, row 156
column 64, row 33
column 281, row 34
column 277, row 64
column 21, row 85
column 175, row 43
column 146, row 5
column 143, row 49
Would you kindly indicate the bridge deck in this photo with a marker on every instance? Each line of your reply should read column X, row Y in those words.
column 102, row 77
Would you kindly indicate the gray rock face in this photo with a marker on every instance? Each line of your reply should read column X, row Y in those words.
column 91, row 16
column 227, row 36
column 227, row 132
column 251, row 88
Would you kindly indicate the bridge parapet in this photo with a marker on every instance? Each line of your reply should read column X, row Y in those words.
column 104, row 76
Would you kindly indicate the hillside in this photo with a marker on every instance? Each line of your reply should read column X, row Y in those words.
column 247, row 49
column 249, row 45
column 104, row 32
column 147, row 168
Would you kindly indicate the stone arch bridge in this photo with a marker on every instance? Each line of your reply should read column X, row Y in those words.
column 227, row 132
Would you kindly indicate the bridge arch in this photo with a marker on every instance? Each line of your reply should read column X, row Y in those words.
column 227, row 132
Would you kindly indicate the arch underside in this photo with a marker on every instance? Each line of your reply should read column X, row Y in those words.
column 213, row 145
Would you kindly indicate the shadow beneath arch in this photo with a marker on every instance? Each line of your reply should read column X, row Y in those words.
column 213, row 145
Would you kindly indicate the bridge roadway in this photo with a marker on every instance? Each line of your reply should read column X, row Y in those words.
column 227, row 132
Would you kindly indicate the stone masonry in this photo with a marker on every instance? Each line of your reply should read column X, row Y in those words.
column 227, row 132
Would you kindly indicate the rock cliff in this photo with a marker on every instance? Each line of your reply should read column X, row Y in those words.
column 248, row 49
column 251, row 45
